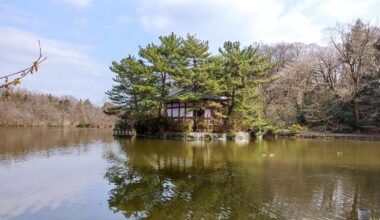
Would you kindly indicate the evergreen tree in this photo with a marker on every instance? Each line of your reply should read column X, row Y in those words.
column 181, row 64
column 135, row 91
column 195, row 70
column 163, row 61
column 197, row 73
column 243, row 72
column 143, row 85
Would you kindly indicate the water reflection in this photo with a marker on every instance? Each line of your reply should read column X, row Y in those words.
column 43, row 171
column 86, row 174
column 17, row 144
column 265, row 180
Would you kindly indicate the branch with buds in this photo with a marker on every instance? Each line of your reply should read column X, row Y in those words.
column 14, row 79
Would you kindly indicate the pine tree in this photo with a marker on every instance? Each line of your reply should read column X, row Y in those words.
column 243, row 72
column 135, row 91
column 196, row 55
column 197, row 73
column 163, row 61
column 143, row 84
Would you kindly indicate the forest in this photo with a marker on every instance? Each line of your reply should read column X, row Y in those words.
column 331, row 87
column 24, row 108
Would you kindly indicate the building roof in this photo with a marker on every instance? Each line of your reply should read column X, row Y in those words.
column 188, row 95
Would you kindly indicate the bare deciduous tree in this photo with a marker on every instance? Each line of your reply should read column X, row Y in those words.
column 326, row 83
column 355, row 45
column 24, row 108
column 326, row 68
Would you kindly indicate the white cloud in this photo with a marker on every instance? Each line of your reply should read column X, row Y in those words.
column 243, row 20
column 76, row 3
column 346, row 10
column 250, row 20
column 68, row 69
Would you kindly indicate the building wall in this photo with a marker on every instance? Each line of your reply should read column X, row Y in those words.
column 180, row 110
column 185, row 110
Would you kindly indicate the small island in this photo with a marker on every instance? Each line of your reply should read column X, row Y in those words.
column 179, row 88
column 210, row 110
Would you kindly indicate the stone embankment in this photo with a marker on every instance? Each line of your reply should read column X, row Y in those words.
column 362, row 137
column 193, row 136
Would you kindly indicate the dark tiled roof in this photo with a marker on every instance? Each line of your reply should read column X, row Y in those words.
column 174, row 95
column 214, row 97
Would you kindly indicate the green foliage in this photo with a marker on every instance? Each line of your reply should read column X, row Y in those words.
column 181, row 126
column 83, row 124
column 261, row 126
column 157, row 125
column 188, row 126
column 243, row 71
column 123, row 125
column 143, row 83
column 152, row 126
column 297, row 129
column 135, row 89
column 202, row 125
column 163, row 61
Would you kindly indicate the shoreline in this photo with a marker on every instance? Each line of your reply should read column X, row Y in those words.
column 205, row 136
column 339, row 136
column 244, row 136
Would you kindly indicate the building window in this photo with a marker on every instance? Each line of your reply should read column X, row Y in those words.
column 182, row 112
column 189, row 113
column 207, row 113
column 175, row 112
column 169, row 112
column 175, row 104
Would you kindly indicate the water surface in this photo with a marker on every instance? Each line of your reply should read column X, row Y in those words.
column 87, row 174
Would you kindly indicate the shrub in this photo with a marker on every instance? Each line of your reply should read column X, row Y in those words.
column 202, row 125
column 188, row 126
column 152, row 125
column 297, row 129
column 260, row 127
column 181, row 126
column 233, row 125
column 83, row 125
column 123, row 125
column 175, row 126
column 159, row 125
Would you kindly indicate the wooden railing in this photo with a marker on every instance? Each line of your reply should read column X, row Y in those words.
column 124, row 133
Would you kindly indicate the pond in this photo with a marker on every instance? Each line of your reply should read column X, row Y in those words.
column 87, row 174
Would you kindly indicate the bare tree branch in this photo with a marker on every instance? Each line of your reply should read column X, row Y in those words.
column 22, row 73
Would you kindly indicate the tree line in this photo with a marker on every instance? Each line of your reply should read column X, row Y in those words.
column 333, row 87
column 329, row 87
column 21, row 107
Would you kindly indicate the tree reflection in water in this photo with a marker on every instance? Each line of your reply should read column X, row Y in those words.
column 188, row 180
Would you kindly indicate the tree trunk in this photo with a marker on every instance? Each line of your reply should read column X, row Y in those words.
column 231, row 107
column 356, row 111
column 160, row 110
column 163, row 93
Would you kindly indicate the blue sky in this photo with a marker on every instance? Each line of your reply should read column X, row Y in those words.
column 82, row 37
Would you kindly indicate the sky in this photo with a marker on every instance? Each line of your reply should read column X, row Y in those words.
column 80, row 38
